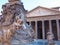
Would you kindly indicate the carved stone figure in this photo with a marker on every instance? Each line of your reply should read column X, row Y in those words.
column 13, row 0
column 13, row 24
column 9, row 30
column 50, row 38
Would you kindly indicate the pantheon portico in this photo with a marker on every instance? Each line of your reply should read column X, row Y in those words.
column 44, row 20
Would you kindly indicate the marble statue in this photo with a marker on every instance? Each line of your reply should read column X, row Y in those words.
column 50, row 38
column 13, row 25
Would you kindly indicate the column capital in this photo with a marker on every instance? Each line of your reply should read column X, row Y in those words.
column 35, row 20
column 43, row 20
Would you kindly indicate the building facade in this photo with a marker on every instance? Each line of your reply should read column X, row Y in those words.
column 44, row 20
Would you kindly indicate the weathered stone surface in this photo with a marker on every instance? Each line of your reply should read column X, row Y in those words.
column 12, row 0
column 9, row 23
column 50, row 38
column 12, row 21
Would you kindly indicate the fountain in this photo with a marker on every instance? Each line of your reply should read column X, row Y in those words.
column 50, row 38
column 25, row 33
column 13, row 27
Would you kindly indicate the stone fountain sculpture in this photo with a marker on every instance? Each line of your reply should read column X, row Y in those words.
column 13, row 26
column 50, row 38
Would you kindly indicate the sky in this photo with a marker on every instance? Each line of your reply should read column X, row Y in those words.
column 31, row 4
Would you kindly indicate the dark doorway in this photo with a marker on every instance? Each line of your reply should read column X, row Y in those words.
column 39, row 29
column 28, row 23
column 54, row 29
column 33, row 25
column 46, row 25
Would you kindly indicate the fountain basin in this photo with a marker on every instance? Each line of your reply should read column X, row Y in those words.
column 38, row 42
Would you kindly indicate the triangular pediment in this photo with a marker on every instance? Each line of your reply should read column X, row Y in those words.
column 41, row 11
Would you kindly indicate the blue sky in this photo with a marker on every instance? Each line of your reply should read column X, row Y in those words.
column 30, row 4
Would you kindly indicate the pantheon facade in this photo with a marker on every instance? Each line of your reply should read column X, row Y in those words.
column 44, row 20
